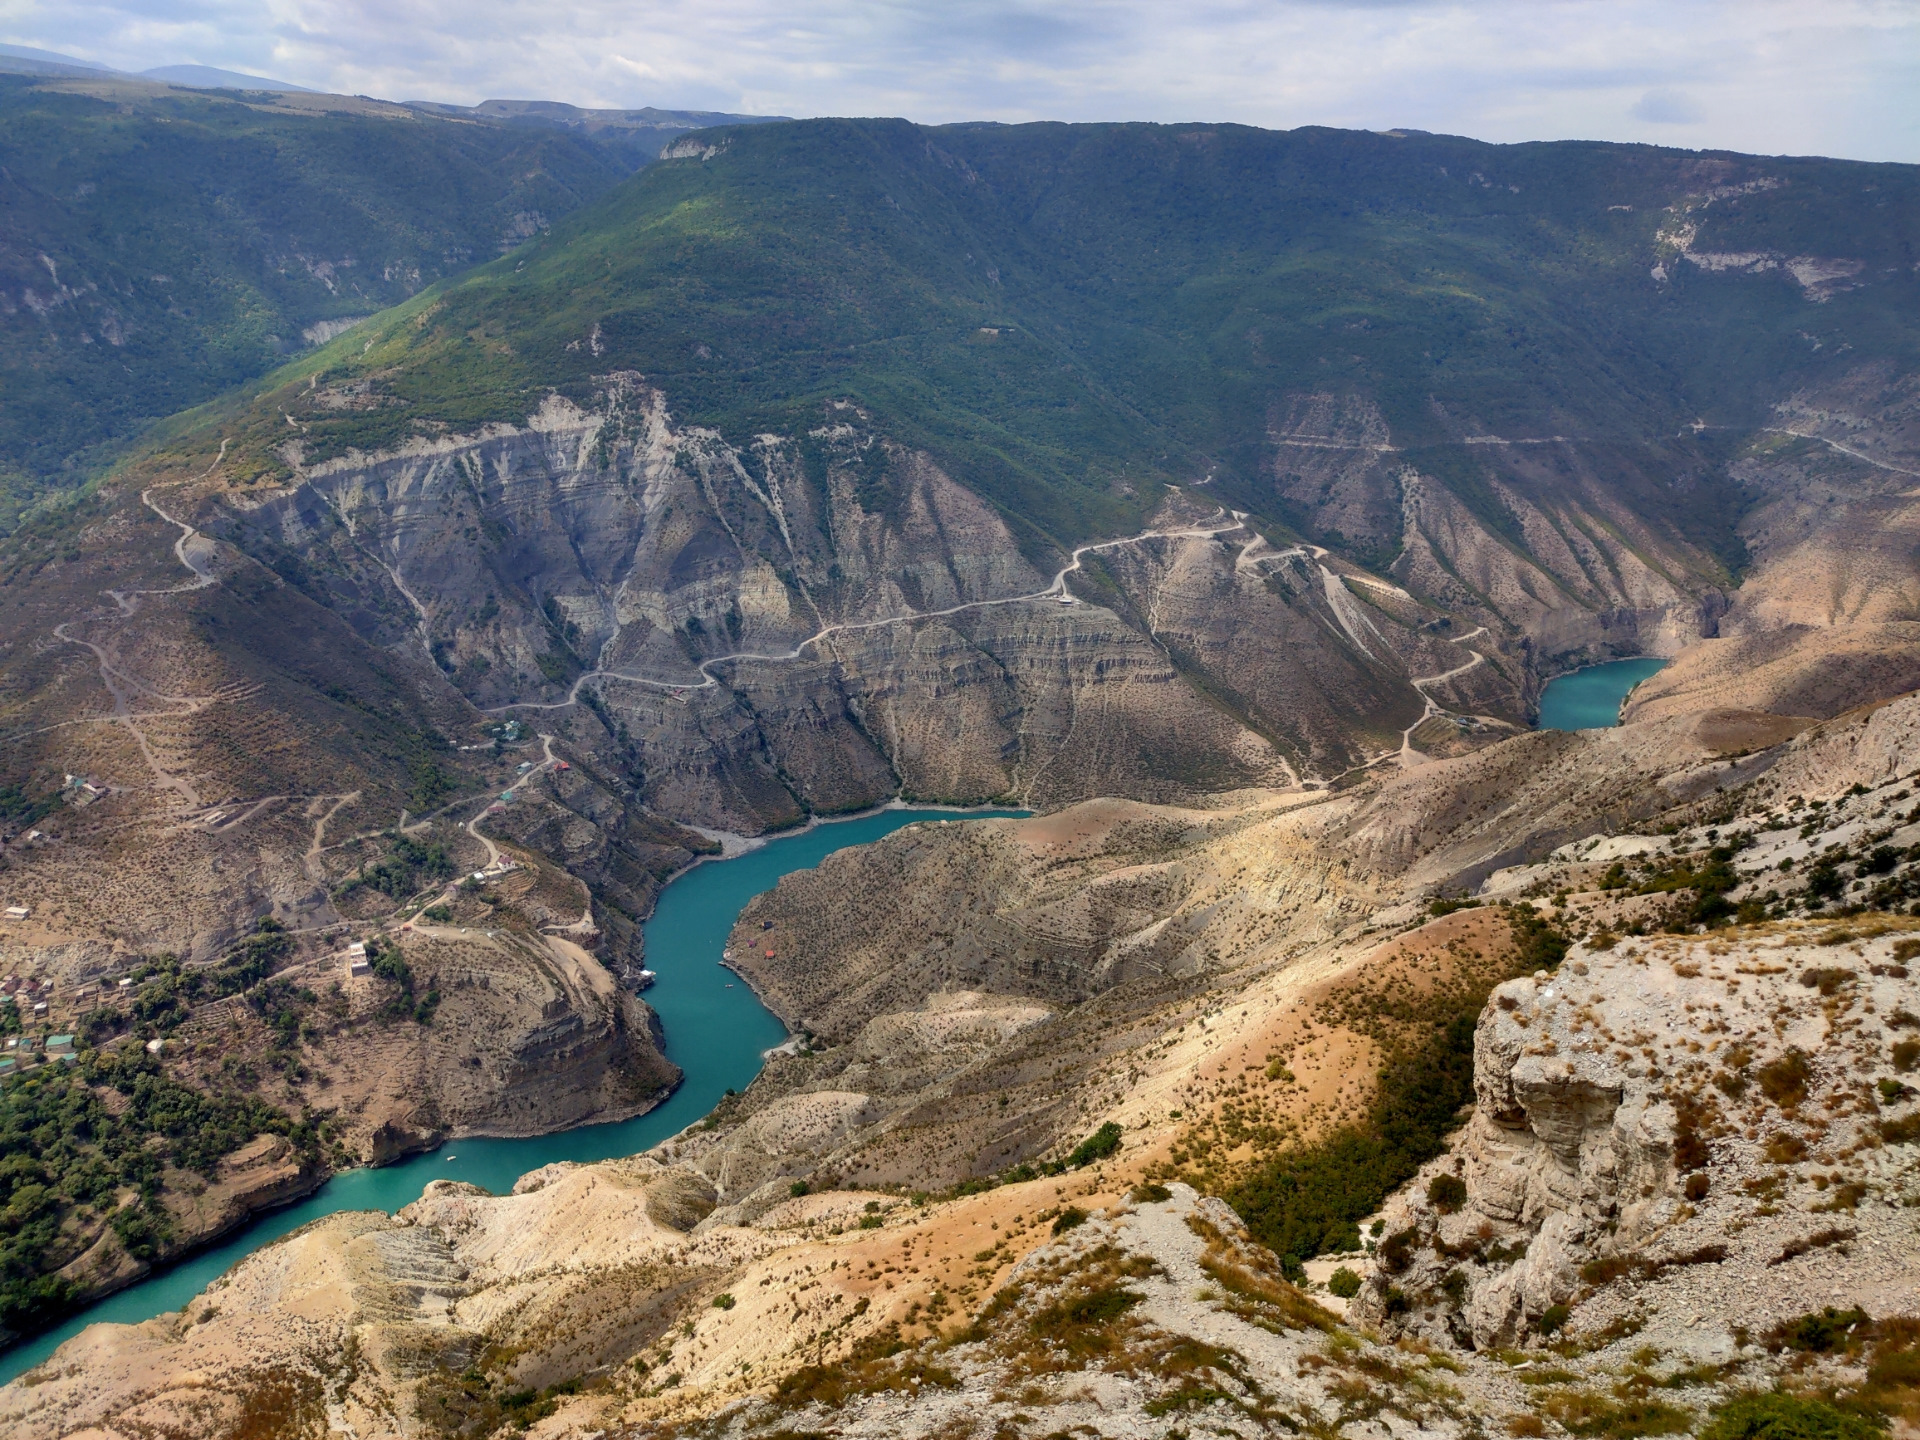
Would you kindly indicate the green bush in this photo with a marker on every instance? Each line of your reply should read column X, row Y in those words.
column 1344, row 1282
column 1446, row 1193
column 408, row 867
column 1820, row 1331
column 1098, row 1146
column 1311, row 1199
column 1786, row 1417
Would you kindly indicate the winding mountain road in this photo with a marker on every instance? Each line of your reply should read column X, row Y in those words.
column 1235, row 520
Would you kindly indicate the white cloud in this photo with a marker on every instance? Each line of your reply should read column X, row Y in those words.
column 1841, row 77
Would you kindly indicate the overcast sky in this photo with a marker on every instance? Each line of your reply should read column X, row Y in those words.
column 1834, row 77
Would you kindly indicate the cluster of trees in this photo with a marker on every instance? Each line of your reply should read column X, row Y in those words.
column 68, row 1154
column 407, row 869
column 387, row 963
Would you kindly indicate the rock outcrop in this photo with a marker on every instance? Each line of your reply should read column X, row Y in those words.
column 1658, row 1129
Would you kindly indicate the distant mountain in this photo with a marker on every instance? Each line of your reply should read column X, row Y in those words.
column 159, row 245
column 1072, row 314
column 209, row 77
column 26, row 60
column 1480, row 413
column 638, row 135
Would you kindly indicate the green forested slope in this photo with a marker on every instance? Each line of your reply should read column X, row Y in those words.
column 159, row 246
column 1156, row 291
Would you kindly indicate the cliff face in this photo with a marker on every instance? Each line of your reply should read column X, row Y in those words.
column 1825, row 620
column 824, row 619
column 1554, row 541
column 1685, row 1131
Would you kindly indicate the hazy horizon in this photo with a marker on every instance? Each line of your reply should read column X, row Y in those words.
column 1839, row 79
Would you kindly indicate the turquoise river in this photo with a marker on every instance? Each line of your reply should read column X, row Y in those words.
column 716, row 1030
column 1590, row 699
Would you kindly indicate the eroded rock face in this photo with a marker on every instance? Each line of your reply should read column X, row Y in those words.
column 1640, row 1118
column 1576, row 1148
column 823, row 620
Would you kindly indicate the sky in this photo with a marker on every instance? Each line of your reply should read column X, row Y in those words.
column 1829, row 77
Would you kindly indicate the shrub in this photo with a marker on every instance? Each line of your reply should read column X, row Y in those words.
column 1396, row 1252
column 1446, row 1193
column 1098, row 1146
column 1818, row 1332
column 1078, row 1321
column 1148, row 1192
column 1785, row 1417
column 797, row 1189
column 1784, row 1081
column 1583, row 1413
column 724, row 1302
column 1697, row 1187
column 1903, row 1131
column 1906, row 1055
column 1068, row 1219
column 1786, row 1149
column 1690, row 1150
column 1344, row 1283
column 1824, row 882
column 1552, row 1319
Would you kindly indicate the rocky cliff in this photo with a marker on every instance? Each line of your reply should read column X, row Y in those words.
column 1686, row 1138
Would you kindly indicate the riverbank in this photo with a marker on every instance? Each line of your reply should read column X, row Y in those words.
column 715, row 1034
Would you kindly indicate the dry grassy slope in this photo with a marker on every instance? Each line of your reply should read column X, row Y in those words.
column 240, row 696
column 1113, row 941
column 590, row 1269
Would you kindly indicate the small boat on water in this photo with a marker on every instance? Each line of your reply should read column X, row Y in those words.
column 647, row 977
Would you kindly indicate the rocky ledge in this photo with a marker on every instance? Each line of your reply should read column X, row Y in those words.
column 1683, row 1138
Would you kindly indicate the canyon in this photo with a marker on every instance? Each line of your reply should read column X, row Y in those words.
column 1329, row 1050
